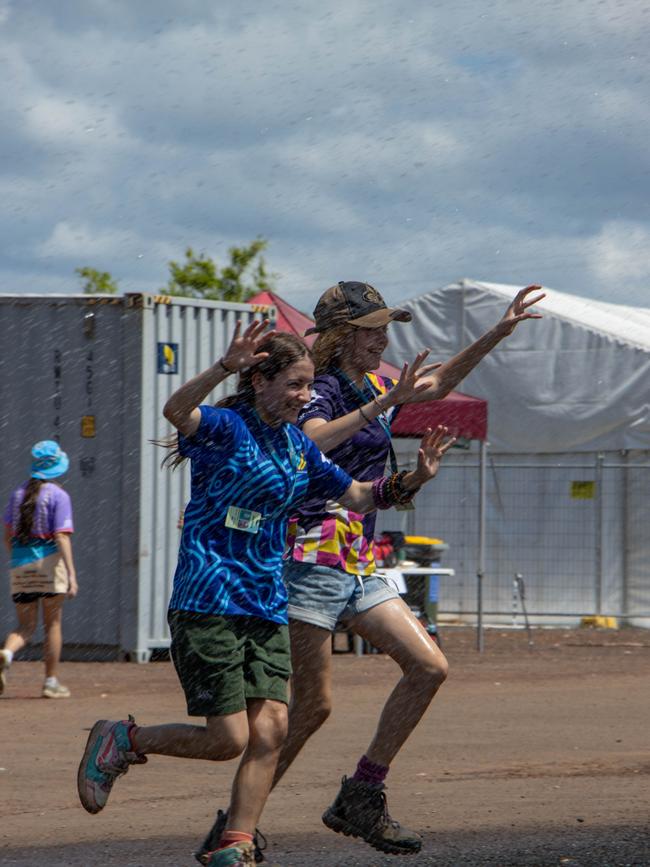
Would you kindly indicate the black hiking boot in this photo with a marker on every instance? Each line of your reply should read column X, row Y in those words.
column 360, row 810
column 213, row 839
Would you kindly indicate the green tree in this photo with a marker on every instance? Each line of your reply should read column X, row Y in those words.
column 97, row 282
column 201, row 277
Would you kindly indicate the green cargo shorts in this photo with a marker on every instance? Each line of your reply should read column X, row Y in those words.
column 222, row 662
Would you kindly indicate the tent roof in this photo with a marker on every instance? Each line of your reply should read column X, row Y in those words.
column 288, row 318
column 465, row 416
column 629, row 325
column 574, row 381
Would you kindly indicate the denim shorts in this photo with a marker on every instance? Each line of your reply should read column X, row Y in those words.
column 325, row 596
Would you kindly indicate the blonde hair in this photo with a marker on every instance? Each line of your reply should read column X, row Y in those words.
column 330, row 346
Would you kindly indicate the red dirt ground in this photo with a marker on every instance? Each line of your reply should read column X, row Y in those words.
column 527, row 757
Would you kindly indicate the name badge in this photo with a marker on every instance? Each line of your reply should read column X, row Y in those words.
column 243, row 519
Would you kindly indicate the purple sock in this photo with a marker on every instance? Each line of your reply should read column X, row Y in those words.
column 369, row 772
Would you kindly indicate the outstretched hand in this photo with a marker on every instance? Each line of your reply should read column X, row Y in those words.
column 411, row 381
column 518, row 309
column 434, row 445
column 241, row 352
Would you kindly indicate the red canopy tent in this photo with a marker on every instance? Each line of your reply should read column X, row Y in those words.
column 465, row 416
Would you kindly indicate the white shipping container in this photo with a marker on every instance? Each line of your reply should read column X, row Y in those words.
column 94, row 372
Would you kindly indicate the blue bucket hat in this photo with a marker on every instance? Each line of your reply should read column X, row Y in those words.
column 48, row 460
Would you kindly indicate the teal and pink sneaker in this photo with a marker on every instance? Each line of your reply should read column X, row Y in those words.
column 237, row 855
column 107, row 756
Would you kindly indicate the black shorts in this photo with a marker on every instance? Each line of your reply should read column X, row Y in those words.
column 222, row 662
column 24, row 598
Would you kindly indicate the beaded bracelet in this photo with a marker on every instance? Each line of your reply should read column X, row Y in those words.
column 403, row 494
column 379, row 493
column 388, row 491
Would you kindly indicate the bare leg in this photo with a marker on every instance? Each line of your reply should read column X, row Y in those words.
column 221, row 738
column 267, row 723
column 311, row 690
column 27, row 613
column 392, row 627
column 52, row 615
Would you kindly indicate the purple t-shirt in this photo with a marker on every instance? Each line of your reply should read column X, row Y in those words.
column 324, row 532
column 53, row 512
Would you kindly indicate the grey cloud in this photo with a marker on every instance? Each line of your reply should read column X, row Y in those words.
column 417, row 145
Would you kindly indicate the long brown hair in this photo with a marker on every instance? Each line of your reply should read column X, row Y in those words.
column 26, row 511
column 330, row 346
column 283, row 351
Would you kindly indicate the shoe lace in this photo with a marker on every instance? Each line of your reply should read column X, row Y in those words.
column 386, row 818
column 259, row 836
column 121, row 763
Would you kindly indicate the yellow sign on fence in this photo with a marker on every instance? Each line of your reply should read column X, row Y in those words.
column 583, row 490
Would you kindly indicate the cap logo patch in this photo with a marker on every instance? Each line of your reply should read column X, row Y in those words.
column 371, row 295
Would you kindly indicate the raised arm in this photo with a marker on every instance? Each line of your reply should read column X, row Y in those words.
column 450, row 373
column 367, row 496
column 417, row 382
column 182, row 407
column 329, row 434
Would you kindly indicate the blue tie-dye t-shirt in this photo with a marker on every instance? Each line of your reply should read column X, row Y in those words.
column 237, row 460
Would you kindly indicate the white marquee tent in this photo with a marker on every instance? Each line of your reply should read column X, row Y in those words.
column 568, row 479
column 577, row 380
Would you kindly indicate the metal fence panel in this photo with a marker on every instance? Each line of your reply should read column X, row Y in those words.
column 636, row 540
column 574, row 526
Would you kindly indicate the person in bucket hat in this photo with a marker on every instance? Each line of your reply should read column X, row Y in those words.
column 38, row 529
column 331, row 573
column 49, row 461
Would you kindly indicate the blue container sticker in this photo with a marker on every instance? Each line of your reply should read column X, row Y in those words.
column 168, row 358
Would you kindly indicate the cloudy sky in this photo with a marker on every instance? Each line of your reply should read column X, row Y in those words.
column 408, row 144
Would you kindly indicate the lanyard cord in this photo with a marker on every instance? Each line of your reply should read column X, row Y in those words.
column 365, row 395
column 294, row 461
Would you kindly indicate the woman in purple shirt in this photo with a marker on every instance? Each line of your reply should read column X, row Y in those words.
column 38, row 526
column 331, row 574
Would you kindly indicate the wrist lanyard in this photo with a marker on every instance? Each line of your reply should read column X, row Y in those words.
column 366, row 395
